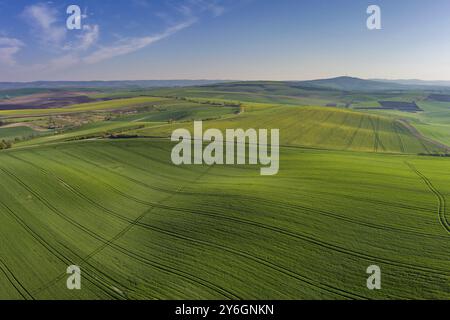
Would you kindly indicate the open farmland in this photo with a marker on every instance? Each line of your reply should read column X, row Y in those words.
column 86, row 107
column 11, row 133
column 321, row 127
column 44, row 100
column 99, row 190
column 141, row 227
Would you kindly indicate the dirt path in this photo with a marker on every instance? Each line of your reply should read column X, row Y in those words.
column 420, row 136
column 25, row 124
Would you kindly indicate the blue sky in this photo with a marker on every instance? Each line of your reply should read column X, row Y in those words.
column 224, row 39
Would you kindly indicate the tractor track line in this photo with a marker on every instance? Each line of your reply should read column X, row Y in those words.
column 400, row 140
column 138, row 182
column 380, row 141
column 287, row 206
column 313, row 240
column 354, row 134
column 375, row 134
column 24, row 293
column 261, row 199
column 269, row 264
column 247, row 255
column 325, row 138
column 55, row 252
column 110, row 243
column 441, row 199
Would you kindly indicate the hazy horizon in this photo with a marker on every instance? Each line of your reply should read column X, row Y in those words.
column 243, row 40
column 228, row 80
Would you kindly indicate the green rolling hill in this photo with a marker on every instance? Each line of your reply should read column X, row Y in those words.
column 327, row 128
column 352, row 191
column 140, row 227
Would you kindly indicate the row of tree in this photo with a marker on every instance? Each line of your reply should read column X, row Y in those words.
column 5, row 144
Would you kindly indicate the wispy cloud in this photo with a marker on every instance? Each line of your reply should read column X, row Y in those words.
column 43, row 20
column 213, row 6
column 129, row 45
column 88, row 37
column 9, row 47
column 121, row 47
column 85, row 46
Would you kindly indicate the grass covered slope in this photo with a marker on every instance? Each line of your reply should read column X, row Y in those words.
column 11, row 133
column 140, row 227
column 155, row 114
column 329, row 128
column 87, row 107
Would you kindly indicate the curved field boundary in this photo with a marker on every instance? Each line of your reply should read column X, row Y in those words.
column 313, row 283
column 110, row 243
column 378, row 144
column 380, row 141
column 304, row 238
column 138, row 182
column 375, row 137
column 51, row 249
column 395, row 126
column 441, row 199
column 20, row 288
column 313, row 125
column 423, row 138
column 265, row 226
column 355, row 133
column 58, row 254
column 324, row 139
column 312, row 240
column 187, row 276
column 281, row 269
column 259, row 200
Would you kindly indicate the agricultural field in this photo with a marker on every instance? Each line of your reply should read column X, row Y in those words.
column 19, row 132
column 85, row 107
column 142, row 228
column 96, row 188
column 321, row 127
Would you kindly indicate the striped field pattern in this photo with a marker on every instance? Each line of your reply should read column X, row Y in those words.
column 141, row 228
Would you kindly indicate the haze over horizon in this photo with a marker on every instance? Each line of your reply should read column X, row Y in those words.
column 235, row 40
column 436, row 81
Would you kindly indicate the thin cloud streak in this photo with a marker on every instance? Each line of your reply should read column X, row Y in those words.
column 43, row 20
column 126, row 46
column 122, row 47
column 84, row 47
column 87, row 39
column 9, row 47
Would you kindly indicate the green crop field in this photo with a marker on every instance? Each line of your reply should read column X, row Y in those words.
column 140, row 227
column 224, row 158
column 16, row 132
column 328, row 128
column 355, row 188
column 86, row 107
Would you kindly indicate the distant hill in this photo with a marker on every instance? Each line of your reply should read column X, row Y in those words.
column 353, row 84
column 294, row 88
column 348, row 84
column 106, row 84
column 344, row 92
column 332, row 84
column 416, row 82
